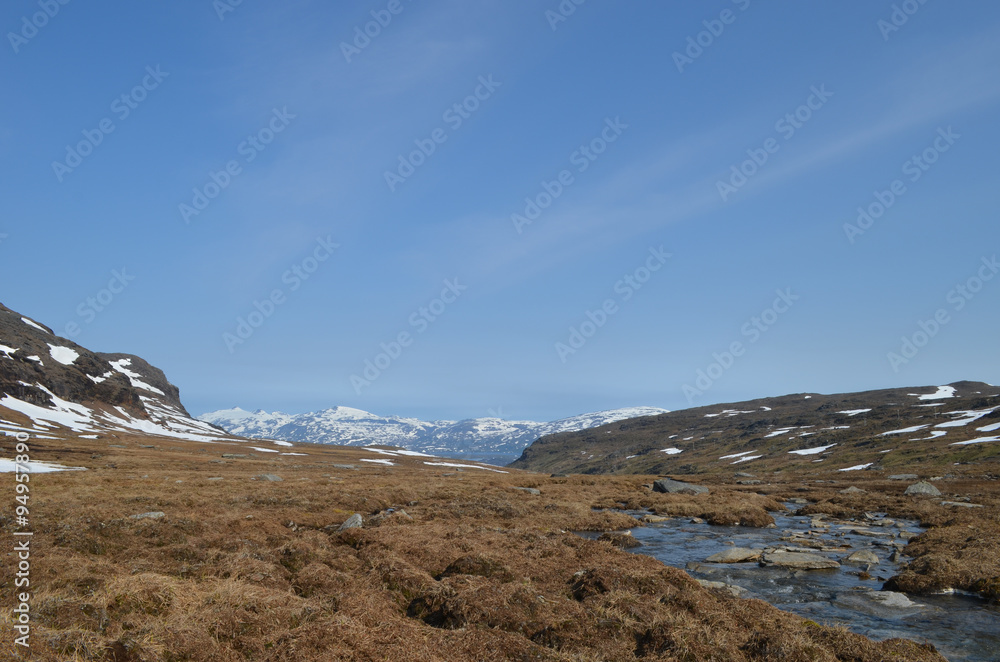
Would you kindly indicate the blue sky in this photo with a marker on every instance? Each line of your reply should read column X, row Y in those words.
column 309, row 128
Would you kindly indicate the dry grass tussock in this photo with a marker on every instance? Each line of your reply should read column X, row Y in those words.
column 465, row 567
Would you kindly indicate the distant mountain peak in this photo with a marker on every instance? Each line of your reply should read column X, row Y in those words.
column 355, row 427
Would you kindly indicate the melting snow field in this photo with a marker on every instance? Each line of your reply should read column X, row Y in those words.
column 989, row 428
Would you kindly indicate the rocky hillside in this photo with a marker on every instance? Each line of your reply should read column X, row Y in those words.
column 893, row 429
column 49, row 383
column 353, row 427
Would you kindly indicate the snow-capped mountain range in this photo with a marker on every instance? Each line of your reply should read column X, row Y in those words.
column 494, row 438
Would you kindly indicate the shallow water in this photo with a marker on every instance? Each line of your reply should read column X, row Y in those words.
column 962, row 628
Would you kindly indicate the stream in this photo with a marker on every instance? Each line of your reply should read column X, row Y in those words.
column 963, row 628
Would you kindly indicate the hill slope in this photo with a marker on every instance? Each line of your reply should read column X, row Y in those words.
column 892, row 429
column 49, row 383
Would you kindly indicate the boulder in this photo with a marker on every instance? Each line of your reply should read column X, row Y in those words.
column 355, row 521
column 961, row 504
column 529, row 490
column 904, row 477
column 653, row 519
column 862, row 557
column 151, row 515
column 735, row 555
column 669, row 486
column 731, row 589
column 271, row 478
column 923, row 488
column 852, row 490
column 797, row 560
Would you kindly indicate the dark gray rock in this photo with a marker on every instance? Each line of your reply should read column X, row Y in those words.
column 904, row 477
column 669, row 486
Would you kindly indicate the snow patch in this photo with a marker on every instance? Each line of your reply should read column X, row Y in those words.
column 134, row 377
column 904, row 430
column 464, row 466
column 671, row 451
column 747, row 459
column 942, row 392
column 729, row 457
column 9, row 466
column 388, row 463
column 264, row 450
column 989, row 428
column 854, row 412
column 64, row 355
column 981, row 440
column 8, row 351
column 934, row 435
column 967, row 417
column 37, row 326
column 812, row 451
column 858, row 467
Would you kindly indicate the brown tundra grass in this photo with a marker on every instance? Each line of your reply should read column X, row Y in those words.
column 465, row 568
